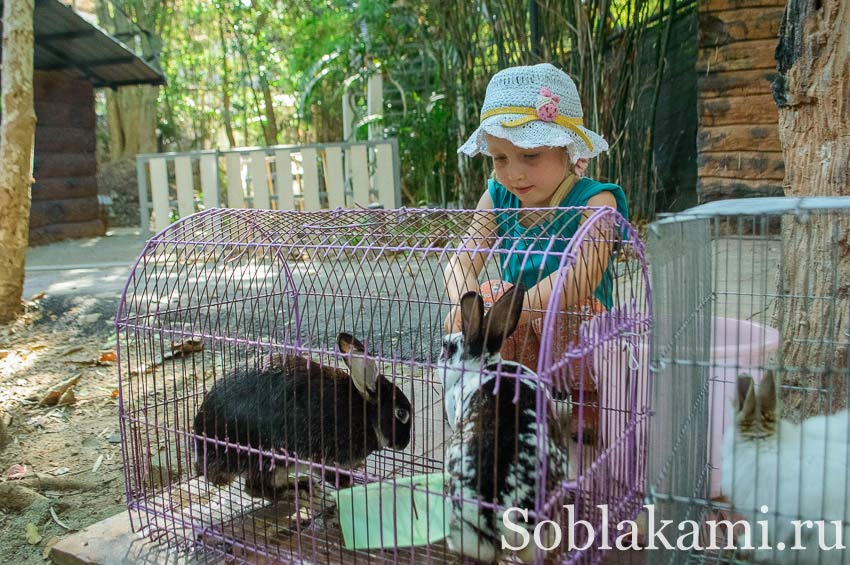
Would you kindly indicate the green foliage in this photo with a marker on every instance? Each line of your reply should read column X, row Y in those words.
column 258, row 72
column 427, row 149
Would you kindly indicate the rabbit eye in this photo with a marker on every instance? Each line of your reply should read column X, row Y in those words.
column 449, row 349
column 402, row 415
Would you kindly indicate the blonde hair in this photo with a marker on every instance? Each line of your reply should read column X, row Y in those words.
column 563, row 189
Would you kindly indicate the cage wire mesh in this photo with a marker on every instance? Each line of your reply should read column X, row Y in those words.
column 749, row 294
column 272, row 362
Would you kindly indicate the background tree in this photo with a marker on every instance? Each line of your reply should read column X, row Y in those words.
column 814, row 128
column 260, row 72
column 17, row 131
column 132, row 110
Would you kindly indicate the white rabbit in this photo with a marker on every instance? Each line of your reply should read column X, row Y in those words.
column 799, row 471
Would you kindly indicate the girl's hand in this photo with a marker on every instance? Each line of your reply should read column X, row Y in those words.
column 452, row 323
column 580, row 167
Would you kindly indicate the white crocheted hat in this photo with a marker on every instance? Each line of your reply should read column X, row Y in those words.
column 531, row 107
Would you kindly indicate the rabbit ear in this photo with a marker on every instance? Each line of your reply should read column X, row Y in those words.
column 471, row 317
column 767, row 400
column 748, row 416
column 501, row 321
column 364, row 371
column 745, row 383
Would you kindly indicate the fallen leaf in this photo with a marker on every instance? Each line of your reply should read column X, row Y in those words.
column 16, row 471
column 57, row 520
column 4, row 353
column 55, row 393
column 68, row 397
column 71, row 349
column 39, row 296
column 191, row 345
column 45, row 553
column 33, row 537
column 115, row 393
column 97, row 464
column 108, row 356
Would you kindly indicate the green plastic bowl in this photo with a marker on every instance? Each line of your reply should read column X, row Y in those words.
column 406, row 512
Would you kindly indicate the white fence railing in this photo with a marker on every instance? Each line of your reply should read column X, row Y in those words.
column 284, row 177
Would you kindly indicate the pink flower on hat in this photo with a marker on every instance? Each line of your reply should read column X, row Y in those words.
column 547, row 105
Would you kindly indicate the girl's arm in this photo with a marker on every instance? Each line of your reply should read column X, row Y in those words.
column 585, row 275
column 461, row 273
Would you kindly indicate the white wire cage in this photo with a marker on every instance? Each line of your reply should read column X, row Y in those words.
column 749, row 293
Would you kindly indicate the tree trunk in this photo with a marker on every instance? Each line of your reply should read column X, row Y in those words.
column 225, row 84
column 271, row 120
column 131, row 110
column 814, row 127
column 131, row 114
column 17, row 131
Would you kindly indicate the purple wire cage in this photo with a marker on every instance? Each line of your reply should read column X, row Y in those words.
column 225, row 312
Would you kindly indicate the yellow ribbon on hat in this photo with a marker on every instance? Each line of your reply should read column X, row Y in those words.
column 530, row 115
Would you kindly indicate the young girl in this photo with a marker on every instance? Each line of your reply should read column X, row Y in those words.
column 531, row 126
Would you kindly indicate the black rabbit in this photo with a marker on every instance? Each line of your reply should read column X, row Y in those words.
column 303, row 408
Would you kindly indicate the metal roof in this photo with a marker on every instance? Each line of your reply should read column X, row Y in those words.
column 64, row 40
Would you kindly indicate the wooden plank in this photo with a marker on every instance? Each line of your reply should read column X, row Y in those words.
column 747, row 110
column 235, row 189
column 384, row 177
column 61, row 165
column 52, row 139
column 736, row 83
column 738, row 138
column 360, row 174
column 185, row 186
column 310, row 179
column 61, row 86
column 209, row 180
column 741, row 55
column 71, row 230
column 714, row 188
column 752, row 165
column 66, row 210
column 59, row 188
column 283, row 180
column 260, row 180
column 745, row 24
column 159, row 192
column 334, row 178
column 73, row 114
column 722, row 5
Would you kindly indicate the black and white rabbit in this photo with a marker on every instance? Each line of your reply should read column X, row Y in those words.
column 797, row 470
column 303, row 408
column 493, row 451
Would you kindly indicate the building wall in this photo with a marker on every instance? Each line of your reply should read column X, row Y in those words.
column 64, row 195
column 738, row 149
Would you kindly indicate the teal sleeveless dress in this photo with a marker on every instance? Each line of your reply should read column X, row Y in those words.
column 531, row 268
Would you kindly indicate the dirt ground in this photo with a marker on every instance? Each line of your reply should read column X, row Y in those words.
column 65, row 459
